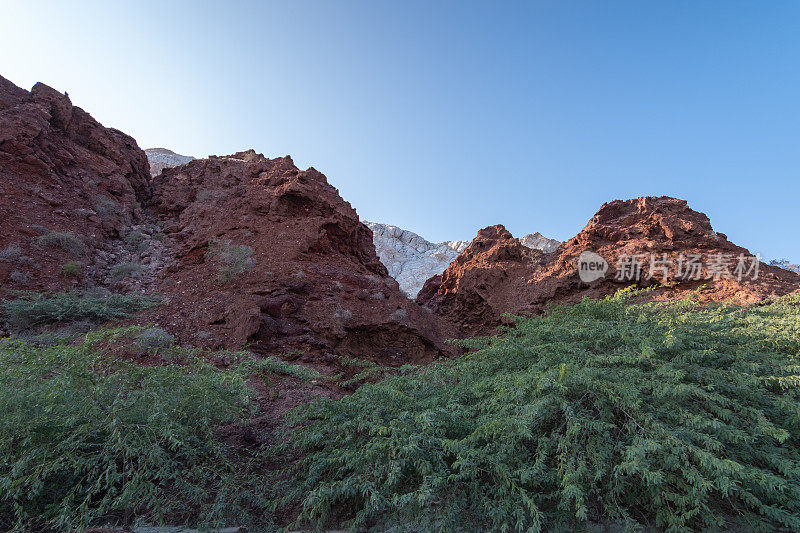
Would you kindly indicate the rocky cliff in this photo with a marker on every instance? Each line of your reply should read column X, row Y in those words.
column 244, row 249
column 161, row 158
column 251, row 250
column 483, row 282
column 652, row 242
column 409, row 258
column 301, row 273
column 537, row 241
column 412, row 260
column 68, row 186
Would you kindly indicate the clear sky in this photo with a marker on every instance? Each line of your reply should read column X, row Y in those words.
column 445, row 117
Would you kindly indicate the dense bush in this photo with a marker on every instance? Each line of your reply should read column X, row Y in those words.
column 20, row 277
column 86, row 438
column 105, row 207
column 676, row 416
column 33, row 309
column 138, row 240
column 232, row 259
column 273, row 365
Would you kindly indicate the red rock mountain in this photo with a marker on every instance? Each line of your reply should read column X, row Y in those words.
column 493, row 276
column 73, row 191
column 250, row 250
column 483, row 282
column 67, row 184
column 314, row 282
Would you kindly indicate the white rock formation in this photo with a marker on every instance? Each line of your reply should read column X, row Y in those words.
column 412, row 260
column 161, row 158
column 458, row 246
column 538, row 241
column 409, row 258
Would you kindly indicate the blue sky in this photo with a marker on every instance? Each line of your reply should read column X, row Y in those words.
column 445, row 117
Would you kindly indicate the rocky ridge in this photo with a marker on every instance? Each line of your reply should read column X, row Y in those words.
column 409, row 258
column 537, row 241
column 69, row 186
column 251, row 250
column 161, row 158
column 312, row 282
column 638, row 240
column 412, row 260
column 244, row 249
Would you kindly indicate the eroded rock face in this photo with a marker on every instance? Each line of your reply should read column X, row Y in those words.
column 490, row 277
column 537, row 241
column 483, row 282
column 412, row 260
column 67, row 185
column 161, row 158
column 315, row 284
column 409, row 258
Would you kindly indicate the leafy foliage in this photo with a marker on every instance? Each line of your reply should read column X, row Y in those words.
column 33, row 308
column 87, row 437
column 677, row 416
column 20, row 276
column 105, row 206
column 232, row 259
column 366, row 371
column 137, row 239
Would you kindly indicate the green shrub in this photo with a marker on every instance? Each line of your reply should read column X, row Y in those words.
column 273, row 365
column 33, row 309
column 232, row 259
column 138, row 240
column 366, row 371
column 65, row 240
column 126, row 269
column 72, row 269
column 676, row 416
column 105, row 207
column 88, row 439
column 134, row 237
column 153, row 340
column 10, row 253
column 20, row 277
